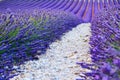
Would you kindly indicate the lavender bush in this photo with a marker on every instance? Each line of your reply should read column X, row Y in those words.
column 105, row 45
column 25, row 34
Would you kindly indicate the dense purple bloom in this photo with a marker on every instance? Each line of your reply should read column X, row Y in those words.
column 105, row 45
column 23, row 35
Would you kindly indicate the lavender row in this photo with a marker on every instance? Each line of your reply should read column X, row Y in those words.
column 26, row 34
column 84, row 9
column 105, row 45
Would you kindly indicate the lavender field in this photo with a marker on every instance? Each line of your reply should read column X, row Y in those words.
column 28, row 28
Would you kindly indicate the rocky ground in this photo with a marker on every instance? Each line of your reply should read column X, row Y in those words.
column 59, row 62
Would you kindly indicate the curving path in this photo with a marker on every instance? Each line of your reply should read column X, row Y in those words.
column 59, row 62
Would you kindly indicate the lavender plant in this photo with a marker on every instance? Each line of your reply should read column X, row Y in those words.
column 25, row 34
column 105, row 45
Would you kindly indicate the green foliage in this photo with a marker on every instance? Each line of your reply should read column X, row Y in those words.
column 13, row 33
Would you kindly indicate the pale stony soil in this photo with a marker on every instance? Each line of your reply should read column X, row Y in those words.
column 59, row 62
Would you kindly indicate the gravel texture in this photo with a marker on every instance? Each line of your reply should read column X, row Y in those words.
column 59, row 62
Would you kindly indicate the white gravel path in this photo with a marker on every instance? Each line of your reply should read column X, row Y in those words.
column 59, row 62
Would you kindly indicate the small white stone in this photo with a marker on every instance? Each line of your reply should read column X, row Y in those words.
column 15, row 67
column 39, row 51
